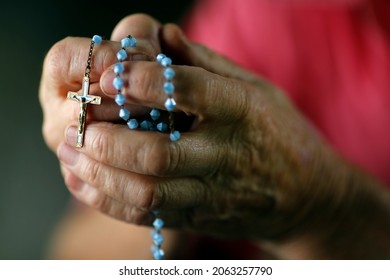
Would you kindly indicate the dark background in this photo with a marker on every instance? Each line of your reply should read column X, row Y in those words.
column 32, row 193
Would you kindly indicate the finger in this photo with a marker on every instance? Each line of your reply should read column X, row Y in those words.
column 96, row 199
column 148, row 153
column 104, row 203
column 197, row 91
column 180, row 207
column 65, row 63
column 145, row 193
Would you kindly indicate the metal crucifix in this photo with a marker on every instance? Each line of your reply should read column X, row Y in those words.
column 84, row 99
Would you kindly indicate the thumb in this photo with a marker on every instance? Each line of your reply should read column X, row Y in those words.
column 183, row 51
column 141, row 26
column 146, row 31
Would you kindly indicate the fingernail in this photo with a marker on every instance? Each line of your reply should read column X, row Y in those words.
column 67, row 154
column 106, row 83
column 71, row 135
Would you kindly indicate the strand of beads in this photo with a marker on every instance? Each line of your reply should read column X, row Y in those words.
column 152, row 125
column 169, row 88
column 120, row 99
column 158, row 239
column 170, row 104
column 118, row 83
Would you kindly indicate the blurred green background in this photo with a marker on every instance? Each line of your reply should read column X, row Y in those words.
column 32, row 193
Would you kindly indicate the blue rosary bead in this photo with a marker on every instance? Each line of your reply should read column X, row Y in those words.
column 166, row 61
column 121, row 55
column 169, row 73
column 158, row 223
column 170, row 104
column 97, row 39
column 169, row 88
column 118, row 83
column 158, row 253
column 118, row 68
column 129, row 41
column 162, row 127
column 160, row 57
column 132, row 123
column 146, row 125
column 124, row 114
column 154, row 114
column 174, row 136
column 120, row 99
column 158, row 239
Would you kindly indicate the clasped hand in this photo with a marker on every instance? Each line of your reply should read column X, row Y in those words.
column 247, row 165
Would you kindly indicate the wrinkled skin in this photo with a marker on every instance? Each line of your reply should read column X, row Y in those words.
column 248, row 165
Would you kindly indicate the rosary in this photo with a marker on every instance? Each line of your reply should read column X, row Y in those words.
column 168, row 88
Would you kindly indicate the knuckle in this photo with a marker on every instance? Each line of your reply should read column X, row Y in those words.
column 54, row 60
column 214, row 90
column 101, row 142
column 151, row 196
column 145, row 82
column 104, row 60
column 157, row 161
column 176, row 156
column 159, row 197
column 100, row 202
column 161, row 158
column 92, row 169
column 134, row 216
column 145, row 197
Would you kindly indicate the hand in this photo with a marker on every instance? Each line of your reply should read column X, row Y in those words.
column 63, row 71
column 239, row 171
column 249, row 166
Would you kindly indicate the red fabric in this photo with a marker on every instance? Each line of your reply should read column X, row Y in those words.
column 332, row 57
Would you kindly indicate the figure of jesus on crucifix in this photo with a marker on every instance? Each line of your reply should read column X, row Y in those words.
column 84, row 99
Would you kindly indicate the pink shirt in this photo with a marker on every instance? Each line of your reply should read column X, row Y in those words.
column 331, row 57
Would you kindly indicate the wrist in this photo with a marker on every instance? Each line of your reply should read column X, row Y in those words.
column 346, row 217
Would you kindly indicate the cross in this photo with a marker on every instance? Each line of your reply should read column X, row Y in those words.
column 84, row 99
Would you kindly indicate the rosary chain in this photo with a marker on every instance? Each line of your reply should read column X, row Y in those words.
column 87, row 72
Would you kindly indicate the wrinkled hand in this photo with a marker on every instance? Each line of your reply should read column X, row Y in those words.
column 248, row 166
column 63, row 71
